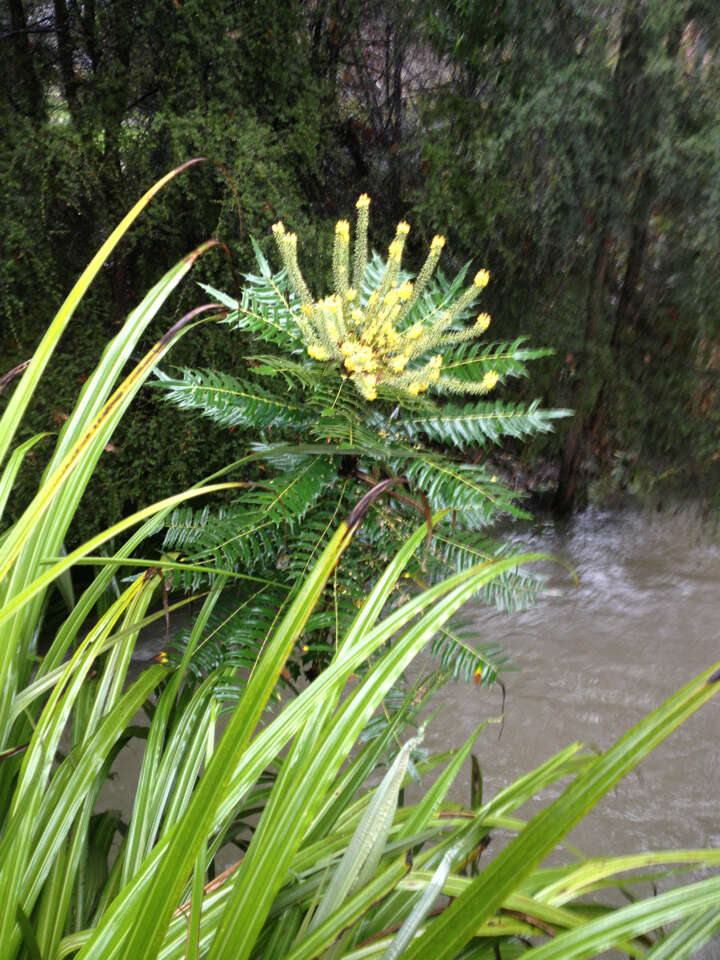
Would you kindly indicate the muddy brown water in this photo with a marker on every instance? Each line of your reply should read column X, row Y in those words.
column 594, row 659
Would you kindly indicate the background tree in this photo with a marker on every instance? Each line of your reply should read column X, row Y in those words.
column 98, row 100
column 577, row 140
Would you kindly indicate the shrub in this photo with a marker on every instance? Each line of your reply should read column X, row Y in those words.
column 340, row 393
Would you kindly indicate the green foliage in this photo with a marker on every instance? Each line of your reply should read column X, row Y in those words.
column 337, row 411
column 330, row 868
column 186, row 80
column 579, row 141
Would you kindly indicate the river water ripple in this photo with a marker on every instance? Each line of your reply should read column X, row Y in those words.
column 597, row 657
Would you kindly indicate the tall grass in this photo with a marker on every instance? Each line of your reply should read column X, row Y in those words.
column 329, row 867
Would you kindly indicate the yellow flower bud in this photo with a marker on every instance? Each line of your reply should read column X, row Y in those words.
column 332, row 302
column 278, row 228
column 438, row 242
column 482, row 322
column 318, row 352
column 403, row 228
column 398, row 363
column 342, row 229
column 415, row 331
column 404, row 291
column 489, row 380
column 482, row 278
column 367, row 386
column 363, row 201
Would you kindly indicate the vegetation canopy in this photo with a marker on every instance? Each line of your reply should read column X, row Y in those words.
column 317, row 862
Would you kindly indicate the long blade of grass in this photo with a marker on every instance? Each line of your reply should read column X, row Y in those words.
column 13, row 465
column 369, row 838
column 578, row 880
column 25, row 389
column 454, row 929
column 123, row 933
column 54, row 571
column 631, row 921
column 688, row 937
column 96, row 433
column 423, row 906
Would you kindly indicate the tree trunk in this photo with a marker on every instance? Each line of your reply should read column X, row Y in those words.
column 572, row 480
column 28, row 89
column 628, row 98
column 65, row 56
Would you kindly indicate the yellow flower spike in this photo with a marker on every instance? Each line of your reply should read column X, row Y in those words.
column 368, row 339
column 426, row 272
column 361, row 245
column 341, row 264
column 395, row 251
column 489, row 380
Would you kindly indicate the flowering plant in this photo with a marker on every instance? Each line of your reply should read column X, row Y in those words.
column 374, row 337
column 342, row 392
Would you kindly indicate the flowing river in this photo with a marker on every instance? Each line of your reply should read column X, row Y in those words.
column 594, row 659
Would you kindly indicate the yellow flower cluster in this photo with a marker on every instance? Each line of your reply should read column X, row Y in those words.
column 373, row 340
